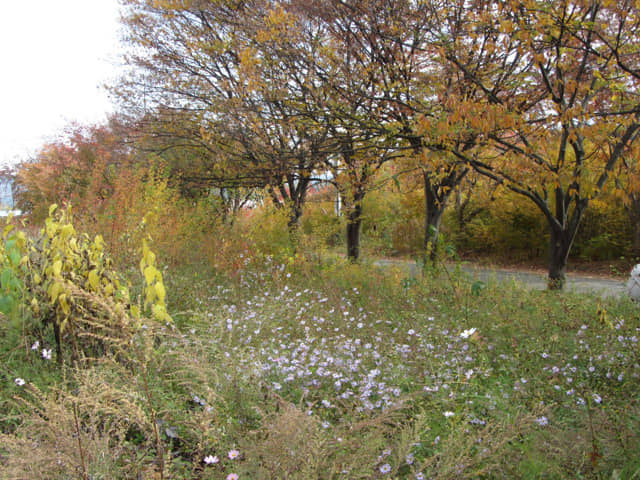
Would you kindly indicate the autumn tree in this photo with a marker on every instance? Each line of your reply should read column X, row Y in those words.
column 539, row 96
column 557, row 105
column 279, row 91
column 82, row 163
column 235, row 71
column 628, row 188
column 389, row 73
column 615, row 39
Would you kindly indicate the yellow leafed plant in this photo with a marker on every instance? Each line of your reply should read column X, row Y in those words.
column 154, row 290
column 71, row 284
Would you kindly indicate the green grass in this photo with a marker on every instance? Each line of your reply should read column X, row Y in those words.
column 337, row 371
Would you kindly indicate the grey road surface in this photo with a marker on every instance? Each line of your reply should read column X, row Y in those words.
column 576, row 283
column 582, row 284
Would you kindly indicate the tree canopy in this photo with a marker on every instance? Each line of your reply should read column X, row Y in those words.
column 539, row 96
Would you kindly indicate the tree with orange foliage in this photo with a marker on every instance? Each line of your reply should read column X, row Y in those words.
column 82, row 164
column 555, row 105
column 378, row 72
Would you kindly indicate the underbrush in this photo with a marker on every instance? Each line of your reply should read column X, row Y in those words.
column 291, row 369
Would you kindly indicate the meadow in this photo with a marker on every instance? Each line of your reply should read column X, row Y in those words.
column 286, row 367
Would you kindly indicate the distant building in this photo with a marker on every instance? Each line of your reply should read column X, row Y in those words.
column 6, row 199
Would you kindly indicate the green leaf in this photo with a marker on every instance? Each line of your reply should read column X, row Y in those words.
column 15, row 284
column 7, row 304
column 477, row 287
column 5, row 278
column 15, row 257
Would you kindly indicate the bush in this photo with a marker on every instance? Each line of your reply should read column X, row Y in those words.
column 509, row 225
column 67, row 281
column 605, row 231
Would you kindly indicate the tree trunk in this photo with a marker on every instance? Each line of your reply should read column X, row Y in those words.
column 434, row 208
column 564, row 227
column 298, row 189
column 293, row 225
column 294, row 217
column 58, row 336
column 292, row 193
column 431, row 235
column 559, row 248
column 435, row 198
column 354, row 226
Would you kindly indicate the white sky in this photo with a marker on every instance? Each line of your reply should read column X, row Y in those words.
column 56, row 55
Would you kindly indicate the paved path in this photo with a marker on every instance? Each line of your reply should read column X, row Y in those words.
column 603, row 286
column 577, row 283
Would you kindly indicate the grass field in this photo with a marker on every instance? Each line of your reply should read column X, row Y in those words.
column 291, row 370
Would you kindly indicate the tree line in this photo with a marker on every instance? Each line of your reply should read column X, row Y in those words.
column 538, row 96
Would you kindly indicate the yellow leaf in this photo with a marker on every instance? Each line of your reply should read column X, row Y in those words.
column 150, row 274
column 160, row 314
column 150, row 257
column 57, row 268
column 94, row 280
column 67, row 230
column 7, row 230
column 22, row 239
column 160, row 291
column 54, row 291
column 64, row 304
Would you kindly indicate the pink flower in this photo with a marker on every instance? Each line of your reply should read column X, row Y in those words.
column 232, row 476
column 233, row 454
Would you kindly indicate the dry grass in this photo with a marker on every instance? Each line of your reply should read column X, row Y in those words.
column 78, row 434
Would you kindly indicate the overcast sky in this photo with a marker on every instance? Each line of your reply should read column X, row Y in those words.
column 55, row 57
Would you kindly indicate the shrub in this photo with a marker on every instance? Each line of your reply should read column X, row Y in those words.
column 605, row 231
column 67, row 280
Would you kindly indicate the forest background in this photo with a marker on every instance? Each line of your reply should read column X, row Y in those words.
column 511, row 131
